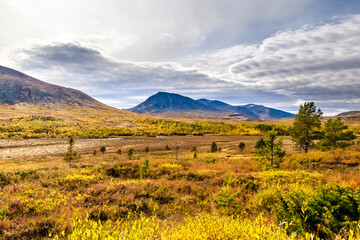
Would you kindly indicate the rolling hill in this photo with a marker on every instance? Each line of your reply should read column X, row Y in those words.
column 352, row 118
column 349, row 114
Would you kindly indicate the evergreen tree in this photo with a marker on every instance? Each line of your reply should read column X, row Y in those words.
column 214, row 147
column 103, row 149
column 145, row 169
column 334, row 131
column 176, row 153
column 147, row 149
column 241, row 146
column 272, row 151
column 227, row 196
column 130, row 153
column 306, row 125
column 70, row 154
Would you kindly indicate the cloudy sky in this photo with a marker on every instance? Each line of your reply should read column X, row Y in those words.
column 278, row 53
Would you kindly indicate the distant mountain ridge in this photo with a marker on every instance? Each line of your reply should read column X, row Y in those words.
column 170, row 103
column 227, row 107
column 163, row 102
column 253, row 110
column 17, row 87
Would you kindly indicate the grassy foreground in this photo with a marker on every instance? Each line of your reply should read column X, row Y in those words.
column 221, row 195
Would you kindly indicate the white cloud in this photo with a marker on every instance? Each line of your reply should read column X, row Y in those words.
column 138, row 30
column 104, row 78
column 118, row 49
column 307, row 52
column 314, row 63
column 217, row 63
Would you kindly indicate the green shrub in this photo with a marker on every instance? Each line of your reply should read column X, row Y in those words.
column 213, row 147
column 4, row 179
column 103, row 149
column 3, row 212
column 130, row 153
column 24, row 174
column 241, row 146
column 331, row 209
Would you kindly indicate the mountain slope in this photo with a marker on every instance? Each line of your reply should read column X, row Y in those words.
column 268, row 113
column 253, row 110
column 228, row 108
column 170, row 102
column 17, row 87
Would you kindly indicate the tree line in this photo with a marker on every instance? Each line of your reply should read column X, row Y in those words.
column 306, row 129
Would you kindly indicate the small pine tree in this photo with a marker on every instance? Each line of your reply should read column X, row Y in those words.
column 195, row 154
column 272, row 151
column 145, row 169
column 194, row 149
column 334, row 132
column 94, row 152
column 306, row 125
column 167, row 147
column 70, row 155
column 214, row 147
column 147, row 149
column 70, row 148
column 103, row 149
column 119, row 151
column 130, row 153
column 241, row 146
column 176, row 153
column 227, row 196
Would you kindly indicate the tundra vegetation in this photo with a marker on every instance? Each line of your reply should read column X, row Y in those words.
column 270, row 189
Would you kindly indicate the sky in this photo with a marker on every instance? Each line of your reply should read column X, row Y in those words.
column 278, row 53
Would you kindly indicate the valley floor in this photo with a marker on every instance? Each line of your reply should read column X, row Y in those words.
column 10, row 148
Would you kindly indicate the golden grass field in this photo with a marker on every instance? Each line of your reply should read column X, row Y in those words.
column 44, row 196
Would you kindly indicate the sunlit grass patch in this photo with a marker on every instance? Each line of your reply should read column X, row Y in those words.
column 282, row 177
column 135, row 182
column 201, row 227
column 170, row 165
